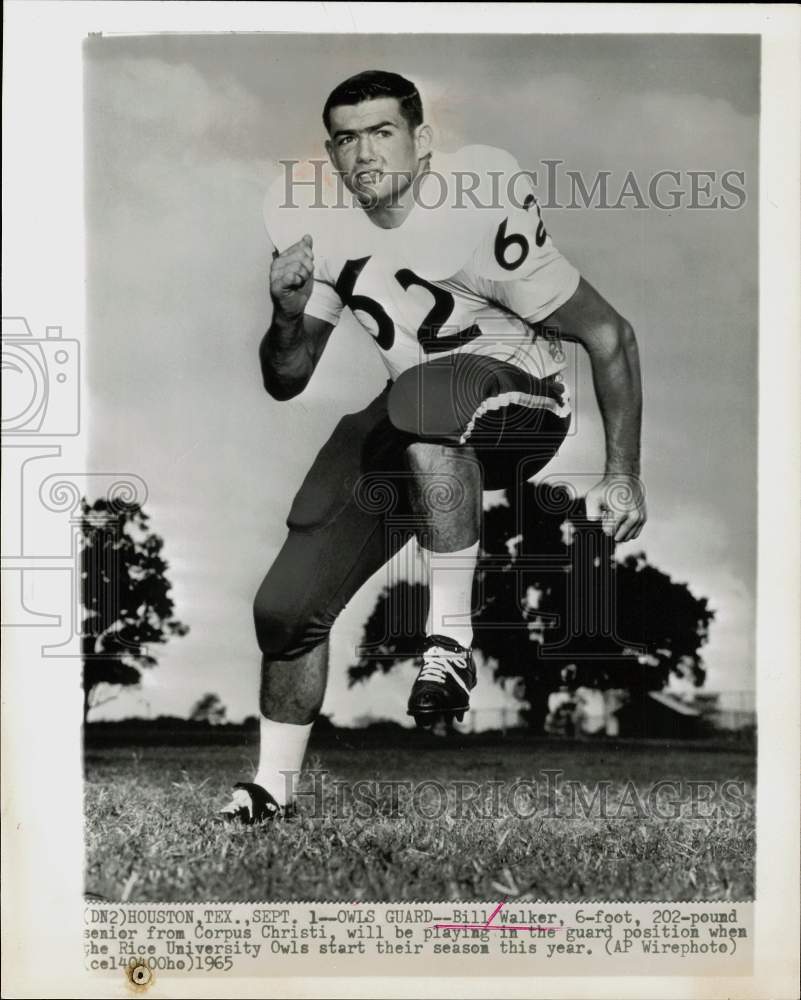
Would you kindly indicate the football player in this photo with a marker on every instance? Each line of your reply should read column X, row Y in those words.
column 446, row 263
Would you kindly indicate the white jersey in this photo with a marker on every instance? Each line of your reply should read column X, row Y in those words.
column 469, row 269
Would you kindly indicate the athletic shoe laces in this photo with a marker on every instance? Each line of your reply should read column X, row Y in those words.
column 436, row 663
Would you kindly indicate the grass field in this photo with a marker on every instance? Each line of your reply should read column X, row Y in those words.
column 151, row 833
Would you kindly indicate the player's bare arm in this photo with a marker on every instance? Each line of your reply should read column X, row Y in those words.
column 612, row 346
column 292, row 346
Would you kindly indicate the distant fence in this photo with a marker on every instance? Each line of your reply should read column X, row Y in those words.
column 724, row 710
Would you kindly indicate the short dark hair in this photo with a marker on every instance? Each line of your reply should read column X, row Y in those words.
column 374, row 83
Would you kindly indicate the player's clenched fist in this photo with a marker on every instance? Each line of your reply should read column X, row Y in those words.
column 292, row 278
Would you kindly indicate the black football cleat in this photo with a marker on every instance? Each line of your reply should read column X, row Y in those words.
column 253, row 804
column 443, row 685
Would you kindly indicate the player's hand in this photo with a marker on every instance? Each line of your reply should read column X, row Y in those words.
column 292, row 278
column 618, row 502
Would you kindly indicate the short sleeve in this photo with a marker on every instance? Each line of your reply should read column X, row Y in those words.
column 516, row 263
column 324, row 302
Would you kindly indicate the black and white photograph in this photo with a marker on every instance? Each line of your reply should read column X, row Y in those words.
column 415, row 552
column 383, row 545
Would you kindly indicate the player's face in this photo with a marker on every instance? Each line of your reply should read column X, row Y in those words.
column 375, row 150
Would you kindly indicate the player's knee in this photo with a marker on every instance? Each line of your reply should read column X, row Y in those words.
column 283, row 634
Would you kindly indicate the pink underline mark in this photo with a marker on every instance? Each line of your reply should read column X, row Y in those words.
column 489, row 926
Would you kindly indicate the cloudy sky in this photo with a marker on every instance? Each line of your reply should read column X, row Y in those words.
column 183, row 138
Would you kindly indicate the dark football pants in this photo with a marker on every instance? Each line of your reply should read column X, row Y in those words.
column 352, row 514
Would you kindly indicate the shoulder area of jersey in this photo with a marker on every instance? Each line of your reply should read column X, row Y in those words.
column 463, row 199
column 484, row 177
column 479, row 159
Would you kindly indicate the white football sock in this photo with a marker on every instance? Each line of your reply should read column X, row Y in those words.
column 282, row 747
column 450, row 581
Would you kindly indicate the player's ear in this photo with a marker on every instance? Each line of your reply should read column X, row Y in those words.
column 329, row 148
column 423, row 139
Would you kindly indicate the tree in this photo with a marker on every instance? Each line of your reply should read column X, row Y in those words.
column 549, row 592
column 125, row 594
column 209, row 708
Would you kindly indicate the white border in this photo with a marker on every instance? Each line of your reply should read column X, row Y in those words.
column 44, row 280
